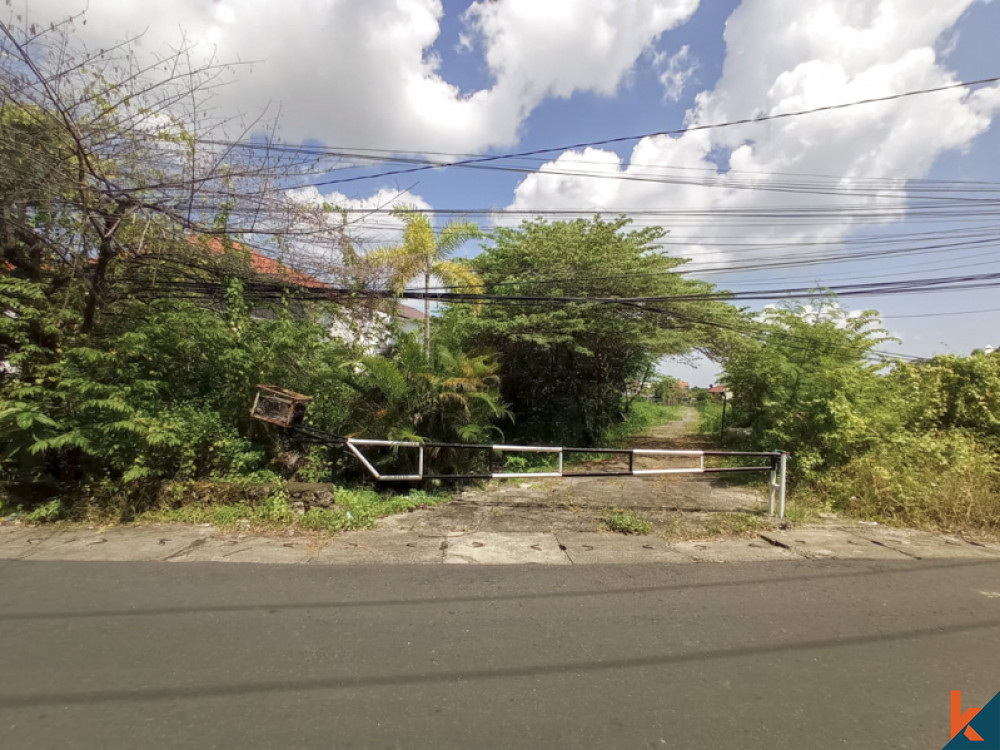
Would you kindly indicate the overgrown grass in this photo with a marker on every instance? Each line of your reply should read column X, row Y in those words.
column 623, row 521
column 710, row 416
column 358, row 508
column 642, row 415
column 262, row 508
column 942, row 481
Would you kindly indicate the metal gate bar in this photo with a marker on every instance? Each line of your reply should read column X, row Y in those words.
column 285, row 408
column 777, row 465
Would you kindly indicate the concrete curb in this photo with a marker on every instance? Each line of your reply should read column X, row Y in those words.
column 177, row 543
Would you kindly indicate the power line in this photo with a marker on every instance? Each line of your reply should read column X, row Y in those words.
column 676, row 131
column 941, row 314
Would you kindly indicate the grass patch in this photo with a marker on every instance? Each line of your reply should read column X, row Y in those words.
column 710, row 416
column 719, row 525
column 624, row 521
column 530, row 463
column 355, row 508
column 642, row 415
column 258, row 507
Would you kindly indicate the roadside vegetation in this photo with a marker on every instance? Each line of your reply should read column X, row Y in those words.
column 913, row 443
column 623, row 521
column 250, row 506
column 152, row 275
column 138, row 319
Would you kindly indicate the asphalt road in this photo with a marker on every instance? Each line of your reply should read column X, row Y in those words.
column 805, row 654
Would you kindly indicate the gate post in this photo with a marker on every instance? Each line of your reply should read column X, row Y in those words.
column 784, row 465
column 773, row 486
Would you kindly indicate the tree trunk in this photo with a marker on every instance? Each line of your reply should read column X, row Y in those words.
column 427, row 316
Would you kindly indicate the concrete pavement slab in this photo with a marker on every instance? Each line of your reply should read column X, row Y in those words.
column 923, row 545
column 367, row 547
column 245, row 549
column 733, row 550
column 117, row 544
column 22, row 541
column 488, row 548
column 179, row 543
column 585, row 548
column 831, row 544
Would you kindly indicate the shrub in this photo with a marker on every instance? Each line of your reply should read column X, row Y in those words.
column 944, row 480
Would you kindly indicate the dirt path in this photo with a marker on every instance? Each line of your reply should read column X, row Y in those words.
column 676, row 435
column 676, row 502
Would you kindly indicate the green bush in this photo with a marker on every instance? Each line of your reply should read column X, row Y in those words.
column 945, row 480
column 710, row 416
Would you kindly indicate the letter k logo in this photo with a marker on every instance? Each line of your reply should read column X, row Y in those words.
column 960, row 720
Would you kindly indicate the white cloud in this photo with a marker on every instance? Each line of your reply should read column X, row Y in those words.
column 783, row 56
column 364, row 73
column 675, row 71
column 367, row 218
column 558, row 47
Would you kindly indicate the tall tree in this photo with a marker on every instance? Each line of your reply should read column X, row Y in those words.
column 424, row 254
column 110, row 163
column 565, row 364
column 108, row 158
column 809, row 383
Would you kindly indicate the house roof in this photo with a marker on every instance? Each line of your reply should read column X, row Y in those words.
column 265, row 266
column 717, row 389
column 408, row 313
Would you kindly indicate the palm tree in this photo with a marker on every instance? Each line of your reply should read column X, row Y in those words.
column 424, row 254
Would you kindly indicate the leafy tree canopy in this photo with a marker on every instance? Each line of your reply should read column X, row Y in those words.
column 811, row 385
column 565, row 365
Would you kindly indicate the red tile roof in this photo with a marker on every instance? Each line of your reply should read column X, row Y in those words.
column 266, row 266
column 409, row 313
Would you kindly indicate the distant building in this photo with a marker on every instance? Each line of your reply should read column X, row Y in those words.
column 361, row 326
column 408, row 319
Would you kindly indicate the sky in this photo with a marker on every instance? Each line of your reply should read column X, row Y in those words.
column 900, row 189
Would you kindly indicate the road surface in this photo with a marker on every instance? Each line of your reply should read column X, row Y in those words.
column 799, row 654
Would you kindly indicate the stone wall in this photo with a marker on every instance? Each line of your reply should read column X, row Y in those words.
column 302, row 496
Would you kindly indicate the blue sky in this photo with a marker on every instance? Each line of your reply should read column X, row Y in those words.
column 499, row 76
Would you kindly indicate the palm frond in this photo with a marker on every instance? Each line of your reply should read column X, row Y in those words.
column 454, row 235
column 458, row 273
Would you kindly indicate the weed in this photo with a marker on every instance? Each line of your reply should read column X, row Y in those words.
column 798, row 513
column 737, row 524
column 53, row 510
column 710, row 416
column 944, row 481
column 275, row 507
column 625, row 521
column 356, row 508
column 530, row 463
